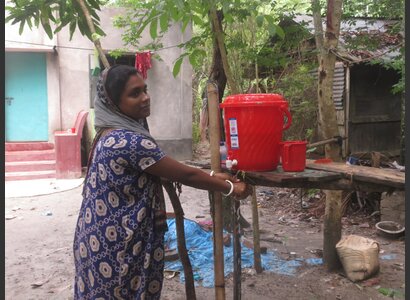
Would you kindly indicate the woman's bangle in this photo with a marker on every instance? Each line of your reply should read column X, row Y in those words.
column 231, row 190
column 212, row 173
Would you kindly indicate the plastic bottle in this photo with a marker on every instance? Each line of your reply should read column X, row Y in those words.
column 223, row 153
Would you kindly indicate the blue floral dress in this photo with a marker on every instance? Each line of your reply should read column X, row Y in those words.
column 118, row 244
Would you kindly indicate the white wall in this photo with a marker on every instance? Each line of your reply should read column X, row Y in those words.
column 68, row 80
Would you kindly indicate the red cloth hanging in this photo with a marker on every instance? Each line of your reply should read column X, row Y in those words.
column 143, row 62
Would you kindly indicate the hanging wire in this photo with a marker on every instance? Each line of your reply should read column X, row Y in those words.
column 79, row 48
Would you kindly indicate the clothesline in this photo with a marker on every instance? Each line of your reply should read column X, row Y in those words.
column 88, row 49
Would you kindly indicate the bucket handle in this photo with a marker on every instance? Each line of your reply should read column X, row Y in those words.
column 287, row 113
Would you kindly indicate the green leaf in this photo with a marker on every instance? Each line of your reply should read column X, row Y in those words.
column 163, row 22
column 280, row 32
column 50, row 14
column 174, row 13
column 259, row 20
column 185, row 23
column 9, row 18
column 46, row 26
column 62, row 9
column 269, row 19
column 177, row 66
column 225, row 8
column 30, row 25
column 94, row 14
column 16, row 20
column 94, row 4
column 99, row 31
column 72, row 28
column 180, row 4
column 37, row 20
column 153, row 28
column 195, row 56
column 384, row 291
column 95, row 36
column 283, row 61
column 81, row 27
column 21, row 27
column 272, row 29
column 63, row 23
column 229, row 19
column 197, row 20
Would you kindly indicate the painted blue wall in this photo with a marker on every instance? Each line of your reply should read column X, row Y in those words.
column 26, row 105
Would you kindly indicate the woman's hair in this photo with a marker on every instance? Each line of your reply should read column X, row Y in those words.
column 117, row 78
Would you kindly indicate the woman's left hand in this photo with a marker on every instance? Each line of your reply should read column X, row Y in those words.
column 241, row 190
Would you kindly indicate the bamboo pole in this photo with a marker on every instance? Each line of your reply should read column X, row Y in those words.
column 215, row 137
column 182, row 251
column 256, row 240
column 237, row 266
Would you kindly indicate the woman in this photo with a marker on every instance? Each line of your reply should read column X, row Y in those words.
column 119, row 237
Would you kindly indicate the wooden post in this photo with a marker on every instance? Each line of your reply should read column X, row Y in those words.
column 215, row 138
column 182, row 251
column 332, row 229
column 256, row 240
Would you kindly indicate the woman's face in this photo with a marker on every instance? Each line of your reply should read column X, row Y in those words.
column 134, row 100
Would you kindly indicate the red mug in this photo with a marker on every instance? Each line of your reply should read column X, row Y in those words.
column 293, row 155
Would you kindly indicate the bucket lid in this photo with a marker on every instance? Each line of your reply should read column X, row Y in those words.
column 246, row 100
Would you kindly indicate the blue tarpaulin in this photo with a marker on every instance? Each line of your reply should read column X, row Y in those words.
column 200, row 250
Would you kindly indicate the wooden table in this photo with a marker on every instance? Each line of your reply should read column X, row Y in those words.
column 328, row 176
column 331, row 176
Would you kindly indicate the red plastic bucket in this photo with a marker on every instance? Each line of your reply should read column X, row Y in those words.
column 253, row 129
column 293, row 156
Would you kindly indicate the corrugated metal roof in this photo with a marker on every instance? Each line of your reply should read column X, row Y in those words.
column 338, row 84
column 348, row 27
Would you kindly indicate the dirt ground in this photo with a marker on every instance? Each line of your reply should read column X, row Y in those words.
column 39, row 261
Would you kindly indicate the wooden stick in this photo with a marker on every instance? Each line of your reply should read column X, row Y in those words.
column 237, row 266
column 182, row 251
column 324, row 142
column 256, row 238
column 215, row 138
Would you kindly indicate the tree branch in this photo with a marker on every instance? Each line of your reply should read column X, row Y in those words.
column 96, row 41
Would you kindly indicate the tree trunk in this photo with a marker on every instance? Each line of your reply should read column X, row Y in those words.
column 217, row 72
column 317, row 22
column 216, row 75
column 92, row 30
column 328, row 124
column 221, row 44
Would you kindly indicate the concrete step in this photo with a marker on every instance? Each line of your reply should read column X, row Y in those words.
column 9, row 176
column 24, row 166
column 27, row 146
column 13, row 156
